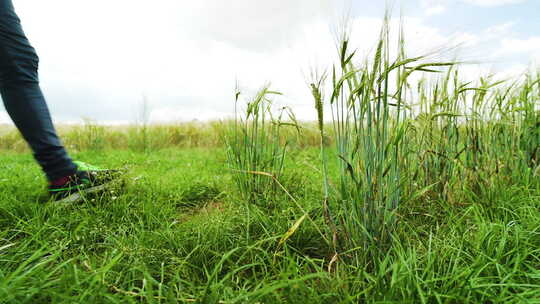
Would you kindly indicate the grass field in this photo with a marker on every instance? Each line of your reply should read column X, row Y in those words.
column 177, row 231
column 402, row 191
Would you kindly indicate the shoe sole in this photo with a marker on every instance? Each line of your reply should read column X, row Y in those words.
column 79, row 196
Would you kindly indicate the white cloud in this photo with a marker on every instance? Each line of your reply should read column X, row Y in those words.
column 434, row 7
column 491, row 3
column 528, row 48
column 248, row 24
column 500, row 30
column 420, row 37
column 435, row 10
column 98, row 58
column 4, row 118
column 437, row 5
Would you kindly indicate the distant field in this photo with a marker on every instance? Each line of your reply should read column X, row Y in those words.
column 4, row 128
column 92, row 136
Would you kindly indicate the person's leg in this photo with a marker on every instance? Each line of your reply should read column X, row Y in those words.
column 23, row 99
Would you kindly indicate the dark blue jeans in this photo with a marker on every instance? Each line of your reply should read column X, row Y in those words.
column 23, row 99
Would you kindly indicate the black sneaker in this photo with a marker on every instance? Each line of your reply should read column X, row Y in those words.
column 87, row 180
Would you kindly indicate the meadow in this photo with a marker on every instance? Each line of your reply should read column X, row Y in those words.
column 400, row 191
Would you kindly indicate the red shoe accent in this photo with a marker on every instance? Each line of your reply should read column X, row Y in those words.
column 61, row 181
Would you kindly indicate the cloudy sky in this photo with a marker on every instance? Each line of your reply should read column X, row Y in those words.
column 101, row 58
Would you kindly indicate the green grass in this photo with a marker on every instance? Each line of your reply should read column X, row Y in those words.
column 176, row 232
